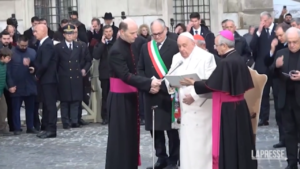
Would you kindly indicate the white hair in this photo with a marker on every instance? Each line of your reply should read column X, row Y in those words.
column 227, row 42
column 266, row 13
column 292, row 30
column 160, row 21
column 200, row 42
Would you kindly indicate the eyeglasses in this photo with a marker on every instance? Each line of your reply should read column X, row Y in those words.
column 157, row 34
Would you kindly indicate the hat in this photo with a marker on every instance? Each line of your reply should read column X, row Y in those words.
column 108, row 16
column 198, row 37
column 227, row 34
column 68, row 29
column 188, row 35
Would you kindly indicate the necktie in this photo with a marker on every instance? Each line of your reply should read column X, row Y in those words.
column 70, row 46
column 196, row 32
column 158, row 45
column 268, row 32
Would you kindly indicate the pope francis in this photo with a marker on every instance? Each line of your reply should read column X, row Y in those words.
column 196, row 116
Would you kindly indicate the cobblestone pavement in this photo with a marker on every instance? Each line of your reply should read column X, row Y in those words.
column 84, row 148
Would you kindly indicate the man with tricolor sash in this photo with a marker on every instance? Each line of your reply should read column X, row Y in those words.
column 154, row 62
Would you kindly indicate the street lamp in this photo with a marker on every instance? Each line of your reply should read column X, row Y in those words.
column 172, row 24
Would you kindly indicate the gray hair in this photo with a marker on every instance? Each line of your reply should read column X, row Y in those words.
column 224, row 41
column 292, row 30
column 160, row 21
column 266, row 13
column 297, row 20
column 200, row 42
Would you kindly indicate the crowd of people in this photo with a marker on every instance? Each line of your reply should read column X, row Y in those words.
column 41, row 67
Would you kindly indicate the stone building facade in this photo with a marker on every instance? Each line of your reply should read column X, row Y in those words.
column 243, row 12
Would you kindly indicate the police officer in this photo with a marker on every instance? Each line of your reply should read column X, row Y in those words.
column 72, row 67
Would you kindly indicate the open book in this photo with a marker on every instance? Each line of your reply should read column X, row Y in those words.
column 174, row 80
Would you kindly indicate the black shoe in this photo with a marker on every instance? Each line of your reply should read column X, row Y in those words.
column 66, row 126
column 17, row 132
column 279, row 145
column 5, row 133
column 142, row 122
column 46, row 134
column 172, row 166
column 291, row 167
column 158, row 165
column 32, row 131
column 43, row 128
column 263, row 123
column 82, row 122
column 104, row 122
column 75, row 125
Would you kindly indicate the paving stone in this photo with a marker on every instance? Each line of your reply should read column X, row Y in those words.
column 85, row 148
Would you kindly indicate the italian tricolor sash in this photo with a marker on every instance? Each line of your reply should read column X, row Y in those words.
column 162, row 70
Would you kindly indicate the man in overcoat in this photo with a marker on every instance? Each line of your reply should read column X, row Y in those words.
column 72, row 67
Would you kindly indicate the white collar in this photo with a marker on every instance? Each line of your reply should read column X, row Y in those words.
column 42, row 41
column 68, row 43
column 198, row 30
column 271, row 27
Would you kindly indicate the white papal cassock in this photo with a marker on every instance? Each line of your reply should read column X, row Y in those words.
column 196, row 119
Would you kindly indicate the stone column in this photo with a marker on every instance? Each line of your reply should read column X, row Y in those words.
column 85, row 12
column 167, row 11
column 216, row 13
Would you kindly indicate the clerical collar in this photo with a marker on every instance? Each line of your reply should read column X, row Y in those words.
column 230, row 51
column 124, row 41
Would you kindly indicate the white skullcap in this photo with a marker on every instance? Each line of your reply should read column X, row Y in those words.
column 188, row 35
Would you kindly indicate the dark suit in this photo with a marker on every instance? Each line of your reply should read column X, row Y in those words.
column 45, row 66
column 289, row 103
column 101, row 53
column 269, row 60
column 242, row 47
column 172, row 36
column 163, row 100
column 208, row 36
column 261, row 46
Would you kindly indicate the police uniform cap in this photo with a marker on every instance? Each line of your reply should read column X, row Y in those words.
column 68, row 29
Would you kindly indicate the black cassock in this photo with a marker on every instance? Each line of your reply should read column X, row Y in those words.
column 233, row 143
column 122, row 107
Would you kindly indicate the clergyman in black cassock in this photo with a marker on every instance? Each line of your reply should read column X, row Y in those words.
column 287, row 60
column 232, row 143
column 122, row 102
column 167, row 48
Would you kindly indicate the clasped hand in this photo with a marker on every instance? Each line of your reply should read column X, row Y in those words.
column 155, row 86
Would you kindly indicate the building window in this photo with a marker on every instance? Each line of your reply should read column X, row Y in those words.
column 183, row 9
column 54, row 10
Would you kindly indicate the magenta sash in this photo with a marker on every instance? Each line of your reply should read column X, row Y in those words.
column 218, row 99
column 118, row 86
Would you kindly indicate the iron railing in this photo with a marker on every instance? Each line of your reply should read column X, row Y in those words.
column 54, row 10
column 183, row 9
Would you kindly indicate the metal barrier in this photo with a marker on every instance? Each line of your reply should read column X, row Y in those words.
column 93, row 109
